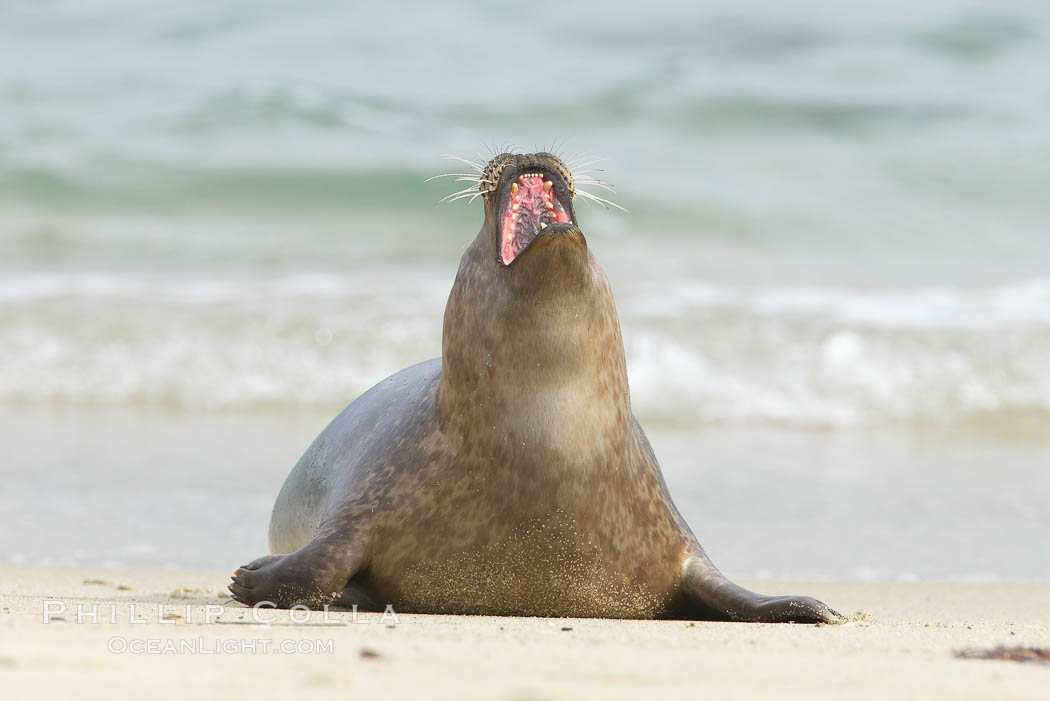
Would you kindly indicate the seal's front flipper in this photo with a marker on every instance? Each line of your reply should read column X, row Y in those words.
column 708, row 595
column 314, row 575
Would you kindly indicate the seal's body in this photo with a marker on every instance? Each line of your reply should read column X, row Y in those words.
column 508, row 476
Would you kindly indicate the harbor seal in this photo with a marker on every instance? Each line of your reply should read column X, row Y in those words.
column 509, row 476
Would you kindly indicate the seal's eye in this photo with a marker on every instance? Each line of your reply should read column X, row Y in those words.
column 531, row 203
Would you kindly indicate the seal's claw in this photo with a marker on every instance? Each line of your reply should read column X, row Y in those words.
column 797, row 609
column 241, row 589
column 236, row 596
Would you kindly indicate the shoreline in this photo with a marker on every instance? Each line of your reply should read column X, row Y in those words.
column 901, row 640
column 764, row 502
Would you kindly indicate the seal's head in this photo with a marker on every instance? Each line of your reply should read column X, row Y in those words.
column 531, row 315
column 530, row 256
column 524, row 195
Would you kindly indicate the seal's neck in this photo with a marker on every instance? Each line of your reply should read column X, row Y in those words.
column 533, row 355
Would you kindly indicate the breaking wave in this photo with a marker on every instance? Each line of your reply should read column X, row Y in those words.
column 697, row 354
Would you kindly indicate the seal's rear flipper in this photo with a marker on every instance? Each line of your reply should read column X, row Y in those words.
column 707, row 594
column 314, row 575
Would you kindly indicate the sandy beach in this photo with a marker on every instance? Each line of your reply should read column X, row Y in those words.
column 900, row 643
column 824, row 230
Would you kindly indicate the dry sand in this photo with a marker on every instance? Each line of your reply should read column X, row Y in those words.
column 901, row 646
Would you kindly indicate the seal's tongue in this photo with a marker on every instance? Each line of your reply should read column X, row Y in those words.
column 532, row 207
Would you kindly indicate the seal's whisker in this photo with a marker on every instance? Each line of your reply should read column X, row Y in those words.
column 583, row 157
column 495, row 150
column 472, row 164
column 585, row 161
column 469, row 192
column 554, row 147
column 465, row 192
column 596, row 183
column 582, row 168
column 450, row 175
column 601, row 201
column 454, row 199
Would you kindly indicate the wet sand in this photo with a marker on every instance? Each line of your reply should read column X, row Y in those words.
column 900, row 643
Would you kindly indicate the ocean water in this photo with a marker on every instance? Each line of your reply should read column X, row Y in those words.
column 838, row 238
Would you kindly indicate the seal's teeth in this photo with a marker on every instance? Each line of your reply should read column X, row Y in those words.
column 543, row 225
column 514, row 188
column 547, row 185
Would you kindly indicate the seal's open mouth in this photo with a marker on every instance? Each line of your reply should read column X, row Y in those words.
column 534, row 200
